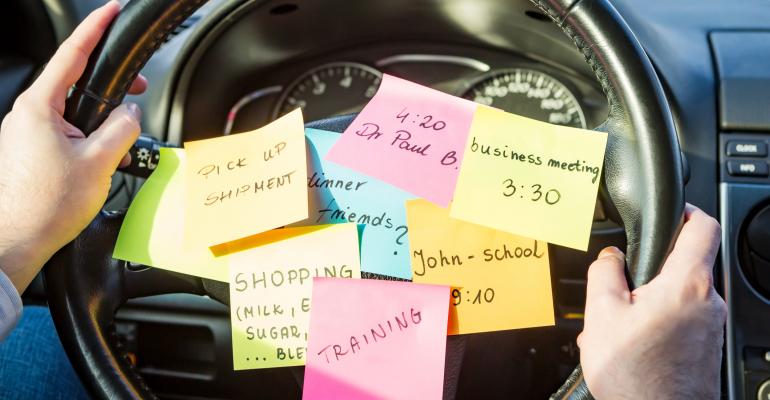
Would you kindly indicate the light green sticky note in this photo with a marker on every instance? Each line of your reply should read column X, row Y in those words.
column 153, row 229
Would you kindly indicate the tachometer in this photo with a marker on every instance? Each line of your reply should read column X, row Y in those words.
column 331, row 89
column 530, row 93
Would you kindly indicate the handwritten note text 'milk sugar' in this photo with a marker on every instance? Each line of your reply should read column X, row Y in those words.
column 338, row 194
column 410, row 136
column 373, row 339
column 530, row 178
column 270, row 289
column 153, row 229
column 499, row 280
column 245, row 184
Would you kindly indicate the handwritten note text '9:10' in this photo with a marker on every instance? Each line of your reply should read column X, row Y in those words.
column 530, row 178
column 410, row 136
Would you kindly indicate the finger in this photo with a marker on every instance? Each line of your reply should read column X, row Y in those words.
column 126, row 161
column 138, row 86
column 108, row 145
column 697, row 245
column 607, row 280
column 67, row 64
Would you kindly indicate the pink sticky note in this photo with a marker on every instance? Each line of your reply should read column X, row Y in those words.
column 372, row 339
column 410, row 136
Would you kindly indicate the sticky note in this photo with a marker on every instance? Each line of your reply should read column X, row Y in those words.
column 499, row 280
column 270, row 290
column 530, row 178
column 338, row 195
column 152, row 230
column 245, row 184
column 373, row 339
column 410, row 136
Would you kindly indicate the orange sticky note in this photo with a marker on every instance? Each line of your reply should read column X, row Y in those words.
column 499, row 280
column 246, row 184
column 372, row 339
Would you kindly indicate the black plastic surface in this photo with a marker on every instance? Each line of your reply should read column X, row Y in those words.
column 742, row 60
column 745, row 166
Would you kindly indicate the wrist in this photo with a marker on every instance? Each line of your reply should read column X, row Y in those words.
column 21, row 263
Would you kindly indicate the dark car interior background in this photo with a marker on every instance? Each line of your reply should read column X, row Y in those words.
column 237, row 65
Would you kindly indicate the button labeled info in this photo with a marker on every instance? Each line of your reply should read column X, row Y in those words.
column 499, row 281
column 373, row 339
column 338, row 195
column 270, row 288
column 530, row 178
column 246, row 184
column 410, row 136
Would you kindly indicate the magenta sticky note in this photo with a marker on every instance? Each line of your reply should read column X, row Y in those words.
column 374, row 339
column 410, row 136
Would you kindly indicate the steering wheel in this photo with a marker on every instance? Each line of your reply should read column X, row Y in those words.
column 643, row 180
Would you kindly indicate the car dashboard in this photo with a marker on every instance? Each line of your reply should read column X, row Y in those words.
column 236, row 65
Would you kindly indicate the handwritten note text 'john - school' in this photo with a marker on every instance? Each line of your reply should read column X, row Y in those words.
column 410, row 136
column 245, row 184
column 499, row 281
column 530, row 178
column 270, row 288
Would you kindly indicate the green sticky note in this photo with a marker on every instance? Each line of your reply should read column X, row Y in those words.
column 153, row 229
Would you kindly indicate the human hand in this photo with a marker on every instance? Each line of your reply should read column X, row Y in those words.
column 664, row 339
column 54, row 180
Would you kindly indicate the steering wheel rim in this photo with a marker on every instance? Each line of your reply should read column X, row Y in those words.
column 643, row 180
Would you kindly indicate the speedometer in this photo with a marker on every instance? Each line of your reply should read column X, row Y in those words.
column 530, row 93
column 331, row 89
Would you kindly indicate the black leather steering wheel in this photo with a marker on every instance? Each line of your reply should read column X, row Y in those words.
column 643, row 180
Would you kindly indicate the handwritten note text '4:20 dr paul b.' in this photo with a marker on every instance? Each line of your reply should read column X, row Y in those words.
column 410, row 136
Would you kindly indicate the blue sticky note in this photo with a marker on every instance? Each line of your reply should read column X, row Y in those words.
column 339, row 195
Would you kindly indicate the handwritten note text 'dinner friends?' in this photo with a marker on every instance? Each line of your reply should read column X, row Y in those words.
column 410, row 136
column 339, row 195
column 530, row 178
column 373, row 339
column 246, row 184
column 270, row 289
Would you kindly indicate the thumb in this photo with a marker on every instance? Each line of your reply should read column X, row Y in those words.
column 607, row 280
column 108, row 144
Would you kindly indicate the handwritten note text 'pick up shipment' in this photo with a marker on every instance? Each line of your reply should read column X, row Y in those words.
column 338, row 194
column 530, row 178
column 246, row 184
column 270, row 288
column 410, row 136
column 373, row 339
column 499, row 280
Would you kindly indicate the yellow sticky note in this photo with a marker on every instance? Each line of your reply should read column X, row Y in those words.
column 270, row 289
column 245, row 184
column 152, row 231
column 530, row 178
column 499, row 281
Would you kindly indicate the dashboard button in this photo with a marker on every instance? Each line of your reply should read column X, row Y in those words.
column 764, row 391
column 747, row 168
column 746, row 148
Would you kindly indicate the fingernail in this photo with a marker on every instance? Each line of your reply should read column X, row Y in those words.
column 134, row 110
column 611, row 252
column 126, row 161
